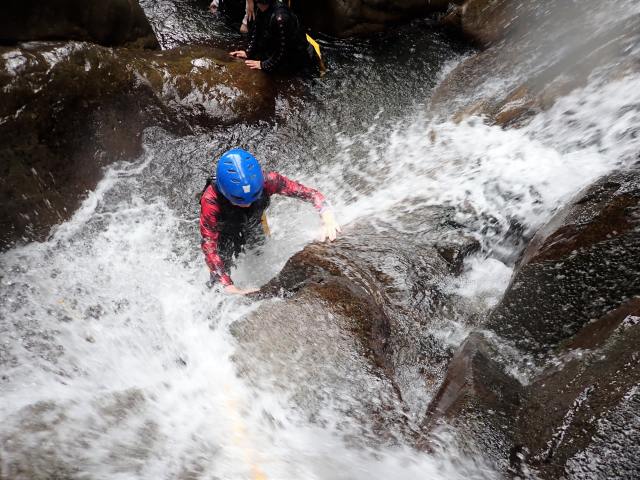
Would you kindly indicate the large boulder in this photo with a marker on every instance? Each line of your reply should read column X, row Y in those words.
column 537, row 52
column 106, row 22
column 587, row 404
column 579, row 267
column 378, row 296
column 569, row 324
column 69, row 109
column 356, row 17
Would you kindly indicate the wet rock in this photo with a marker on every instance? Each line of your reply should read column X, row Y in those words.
column 562, row 423
column 536, row 52
column 573, row 310
column 478, row 400
column 204, row 85
column 357, row 17
column 69, row 109
column 588, row 403
column 618, row 434
column 489, row 21
column 378, row 296
column 578, row 268
column 110, row 22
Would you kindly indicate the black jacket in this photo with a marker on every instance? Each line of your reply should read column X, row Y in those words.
column 277, row 38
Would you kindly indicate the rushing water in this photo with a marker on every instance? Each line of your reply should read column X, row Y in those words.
column 117, row 361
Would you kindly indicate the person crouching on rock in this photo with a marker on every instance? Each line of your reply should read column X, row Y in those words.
column 232, row 208
column 277, row 41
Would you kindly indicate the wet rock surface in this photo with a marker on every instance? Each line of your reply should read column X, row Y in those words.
column 110, row 22
column 356, row 17
column 535, row 52
column 379, row 296
column 617, row 433
column 572, row 309
column 479, row 400
column 579, row 267
column 589, row 397
column 69, row 109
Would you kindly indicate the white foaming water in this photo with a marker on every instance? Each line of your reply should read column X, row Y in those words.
column 119, row 359
column 120, row 363
column 504, row 175
column 484, row 280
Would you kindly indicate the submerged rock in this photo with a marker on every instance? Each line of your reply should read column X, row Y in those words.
column 69, row 109
column 106, row 22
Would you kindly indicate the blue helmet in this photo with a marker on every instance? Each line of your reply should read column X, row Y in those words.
column 239, row 177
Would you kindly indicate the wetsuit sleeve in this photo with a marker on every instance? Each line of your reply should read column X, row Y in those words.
column 279, row 31
column 209, row 212
column 281, row 185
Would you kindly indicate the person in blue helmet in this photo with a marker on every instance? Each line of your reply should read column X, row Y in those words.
column 232, row 208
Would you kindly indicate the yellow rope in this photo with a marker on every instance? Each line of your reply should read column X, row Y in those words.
column 265, row 225
column 240, row 435
column 239, row 430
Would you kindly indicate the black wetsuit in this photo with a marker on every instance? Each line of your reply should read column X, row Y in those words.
column 277, row 39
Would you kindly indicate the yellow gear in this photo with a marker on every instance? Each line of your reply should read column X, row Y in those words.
column 316, row 48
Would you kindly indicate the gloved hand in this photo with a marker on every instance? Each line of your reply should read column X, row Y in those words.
column 330, row 227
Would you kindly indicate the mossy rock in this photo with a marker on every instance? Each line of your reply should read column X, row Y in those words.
column 69, row 109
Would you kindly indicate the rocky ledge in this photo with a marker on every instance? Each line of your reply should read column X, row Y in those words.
column 69, row 109
column 571, row 319
column 105, row 22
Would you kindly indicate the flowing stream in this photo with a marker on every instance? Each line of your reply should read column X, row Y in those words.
column 117, row 361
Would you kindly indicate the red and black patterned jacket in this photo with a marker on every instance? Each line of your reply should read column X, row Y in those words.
column 215, row 210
